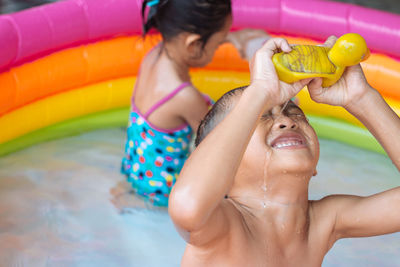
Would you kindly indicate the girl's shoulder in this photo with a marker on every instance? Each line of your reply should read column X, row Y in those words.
column 190, row 95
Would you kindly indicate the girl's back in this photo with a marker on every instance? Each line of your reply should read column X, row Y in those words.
column 166, row 108
column 155, row 84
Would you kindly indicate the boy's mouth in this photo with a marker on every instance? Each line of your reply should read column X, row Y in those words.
column 288, row 140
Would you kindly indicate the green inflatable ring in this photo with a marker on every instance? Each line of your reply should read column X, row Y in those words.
column 325, row 127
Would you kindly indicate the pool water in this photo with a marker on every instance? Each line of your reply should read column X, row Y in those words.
column 55, row 207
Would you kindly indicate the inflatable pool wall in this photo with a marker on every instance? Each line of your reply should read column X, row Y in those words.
column 70, row 66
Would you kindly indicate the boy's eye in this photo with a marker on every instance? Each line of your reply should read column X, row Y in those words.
column 294, row 114
column 265, row 117
column 297, row 116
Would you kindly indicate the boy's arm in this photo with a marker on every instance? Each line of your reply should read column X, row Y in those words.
column 196, row 200
column 377, row 214
column 373, row 111
column 357, row 216
column 209, row 172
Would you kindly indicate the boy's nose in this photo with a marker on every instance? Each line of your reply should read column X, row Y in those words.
column 283, row 122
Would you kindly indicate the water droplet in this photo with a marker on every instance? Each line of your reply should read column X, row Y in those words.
column 284, row 106
column 264, row 187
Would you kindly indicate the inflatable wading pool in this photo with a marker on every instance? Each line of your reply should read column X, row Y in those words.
column 69, row 67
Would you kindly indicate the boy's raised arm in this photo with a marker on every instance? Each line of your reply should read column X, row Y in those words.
column 373, row 111
column 377, row 214
column 209, row 172
column 354, row 93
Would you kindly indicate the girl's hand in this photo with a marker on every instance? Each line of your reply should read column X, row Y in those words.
column 348, row 90
column 264, row 76
column 244, row 41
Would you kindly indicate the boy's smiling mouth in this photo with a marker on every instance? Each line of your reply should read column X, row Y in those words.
column 289, row 140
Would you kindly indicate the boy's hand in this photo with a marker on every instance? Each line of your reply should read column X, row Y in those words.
column 348, row 90
column 264, row 76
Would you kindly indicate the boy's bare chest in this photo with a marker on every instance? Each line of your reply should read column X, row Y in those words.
column 268, row 249
column 263, row 255
column 244, row 248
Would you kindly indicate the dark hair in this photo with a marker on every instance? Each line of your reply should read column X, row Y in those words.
column 171, row 17
column 216, row 114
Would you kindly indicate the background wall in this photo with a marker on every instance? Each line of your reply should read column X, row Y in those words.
column 7, row 6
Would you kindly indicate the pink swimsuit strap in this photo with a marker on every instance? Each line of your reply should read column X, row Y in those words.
column 165, row 99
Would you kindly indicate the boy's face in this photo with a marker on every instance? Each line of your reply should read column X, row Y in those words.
column 283, row 142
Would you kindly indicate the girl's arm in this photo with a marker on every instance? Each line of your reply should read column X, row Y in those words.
column 192, row 106
column 248, row 41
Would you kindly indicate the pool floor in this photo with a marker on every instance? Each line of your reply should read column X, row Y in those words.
column 56, row 209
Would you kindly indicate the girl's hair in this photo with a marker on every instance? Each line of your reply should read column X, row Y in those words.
column 171, row 17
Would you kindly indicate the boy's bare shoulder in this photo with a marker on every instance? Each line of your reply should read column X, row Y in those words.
column 324, row 215
column 224, row 218
column 224, row 234
column 331, row 203
column 326, row 207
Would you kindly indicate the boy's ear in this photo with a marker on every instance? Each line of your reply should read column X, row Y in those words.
column 194, row 45
column 315, row 172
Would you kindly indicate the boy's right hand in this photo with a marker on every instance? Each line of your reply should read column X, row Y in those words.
column 264, row 76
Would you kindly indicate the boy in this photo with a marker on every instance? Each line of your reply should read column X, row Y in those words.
column 242, row 196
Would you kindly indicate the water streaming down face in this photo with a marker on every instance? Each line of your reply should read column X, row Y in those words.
column 267, row 158
column 265, row 173
column 283, row 107
column 55, row 207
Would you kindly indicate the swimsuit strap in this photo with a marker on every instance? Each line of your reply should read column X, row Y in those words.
column 165, row 99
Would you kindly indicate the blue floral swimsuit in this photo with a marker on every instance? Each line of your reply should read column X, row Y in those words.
column 154, row 157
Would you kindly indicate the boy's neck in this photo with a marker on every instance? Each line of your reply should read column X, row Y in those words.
column 286, row 189
column 284, row 206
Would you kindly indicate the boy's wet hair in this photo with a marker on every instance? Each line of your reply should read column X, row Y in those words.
column 217, row 113
column 172, row 17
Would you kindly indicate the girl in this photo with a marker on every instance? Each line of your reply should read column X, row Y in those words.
column 166, row 107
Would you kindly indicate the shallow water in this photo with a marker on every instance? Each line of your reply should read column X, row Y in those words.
column 55, row 207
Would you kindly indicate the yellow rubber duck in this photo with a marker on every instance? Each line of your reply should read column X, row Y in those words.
column 308, row 61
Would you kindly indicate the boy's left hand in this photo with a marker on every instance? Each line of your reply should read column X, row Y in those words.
column 263, row 73
column 348, row 90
